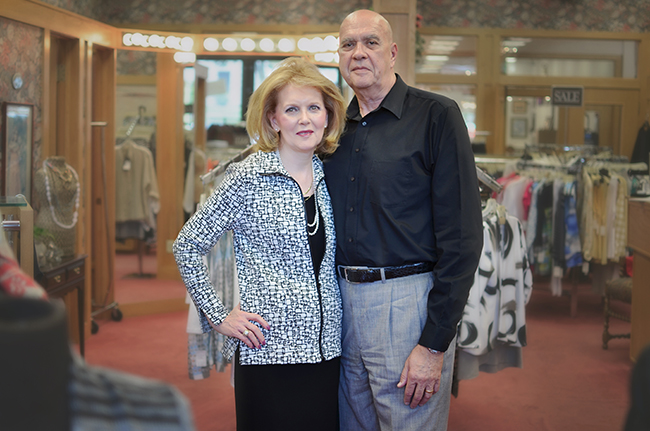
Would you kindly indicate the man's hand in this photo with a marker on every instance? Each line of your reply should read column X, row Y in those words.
column 421, row 376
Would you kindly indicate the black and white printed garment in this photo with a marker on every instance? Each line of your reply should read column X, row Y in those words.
column 264, row 207
column 495, row 312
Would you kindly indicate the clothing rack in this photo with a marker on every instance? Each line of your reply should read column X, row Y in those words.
column 487, row 179
column 141, row 110
column 221, row 167
column 585, row 149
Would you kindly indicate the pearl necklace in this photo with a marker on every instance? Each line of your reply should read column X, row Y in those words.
column 75, row 215
column 315, row 224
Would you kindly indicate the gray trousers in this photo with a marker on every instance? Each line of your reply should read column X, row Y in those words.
column 382, row 323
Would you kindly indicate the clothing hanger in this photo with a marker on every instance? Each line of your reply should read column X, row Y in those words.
column 501, row 214
column 221, row 167
column 490, row 207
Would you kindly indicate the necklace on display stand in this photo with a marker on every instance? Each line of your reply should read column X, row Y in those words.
column 66, row 176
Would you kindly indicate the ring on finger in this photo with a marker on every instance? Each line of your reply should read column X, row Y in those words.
column 246, row 332
column 428, row 392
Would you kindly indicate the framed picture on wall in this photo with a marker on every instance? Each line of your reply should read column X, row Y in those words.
column 519, row 127
column 519, row 107
column 17, row 145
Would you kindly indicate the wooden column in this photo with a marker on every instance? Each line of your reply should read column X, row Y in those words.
column 102, row 211
column 401, row 16
column 491, row 112
column 169, row 161
column 638, row 238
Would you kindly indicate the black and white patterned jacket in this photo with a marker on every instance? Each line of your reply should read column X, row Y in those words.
column 264, row 208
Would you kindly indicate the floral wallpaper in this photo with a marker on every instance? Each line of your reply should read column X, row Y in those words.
column 136, row 62
column 290, row 12
column 587, row 15
column 94, row 9
column 21, row 51
column 584, row 15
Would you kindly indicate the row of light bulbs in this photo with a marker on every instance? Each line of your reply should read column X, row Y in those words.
column 312, row 45
column 323, row 49
column 155, row 41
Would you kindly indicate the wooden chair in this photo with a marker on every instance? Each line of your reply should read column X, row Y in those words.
column 619, row 289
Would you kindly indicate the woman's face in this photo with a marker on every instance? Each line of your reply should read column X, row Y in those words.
column 300, row 117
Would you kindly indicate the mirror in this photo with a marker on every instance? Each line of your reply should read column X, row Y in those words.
column 137, row 192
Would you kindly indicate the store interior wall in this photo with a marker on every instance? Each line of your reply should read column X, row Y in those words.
column 21, row 50
column 604, row 15
column 22, row 44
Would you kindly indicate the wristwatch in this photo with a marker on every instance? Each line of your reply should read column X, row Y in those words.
column 433, row 351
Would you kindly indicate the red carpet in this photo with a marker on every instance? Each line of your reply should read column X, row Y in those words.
column 134, row 283
column 568, row 382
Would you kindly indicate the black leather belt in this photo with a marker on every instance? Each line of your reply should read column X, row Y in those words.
column 364, row 274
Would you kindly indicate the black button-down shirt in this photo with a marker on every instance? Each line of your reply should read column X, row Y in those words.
column 404, row 190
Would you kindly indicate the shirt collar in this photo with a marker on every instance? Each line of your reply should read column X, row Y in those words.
column 393, row 102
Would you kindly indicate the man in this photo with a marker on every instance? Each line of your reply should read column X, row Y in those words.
column 408, row 217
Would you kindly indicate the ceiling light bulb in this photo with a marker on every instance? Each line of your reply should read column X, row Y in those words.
column 331, row 43
column 317, row 45
column 229, row 44
column 211, row 44
column 267, row 45
column 286, row 45
column 184, row 57
column 304, row 44
column 187, row 43
column 247, row 44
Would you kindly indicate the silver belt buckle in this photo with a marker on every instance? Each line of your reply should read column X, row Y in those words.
column 345, row 271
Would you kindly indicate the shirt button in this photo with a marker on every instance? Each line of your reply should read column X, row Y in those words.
column 349, row 239
column 352, row 179
column 356, row 150
column 351, row 209
column 364, row 124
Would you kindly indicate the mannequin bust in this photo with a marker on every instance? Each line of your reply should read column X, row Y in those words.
column 34, row 365
column 57, row 194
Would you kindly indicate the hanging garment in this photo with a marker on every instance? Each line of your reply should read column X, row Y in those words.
column 205, row 349
column 135, row 180
column 620, row 225
column 610, row 223
column 572, row 248
column 557, row 242
column 531, row 228
column 586, row 215
column 641, row 152
column 197, row 165
column 599, row 246
column 492, row 330
column 544, row 230
column 495, row 313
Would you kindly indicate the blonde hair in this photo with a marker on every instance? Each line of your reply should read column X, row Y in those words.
column 299, row 72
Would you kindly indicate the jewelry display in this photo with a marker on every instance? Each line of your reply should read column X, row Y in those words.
column 58, row 196
column 66, row 175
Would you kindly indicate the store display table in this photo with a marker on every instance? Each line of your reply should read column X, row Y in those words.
column 60, row 280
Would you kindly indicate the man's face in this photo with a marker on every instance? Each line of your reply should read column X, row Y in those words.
column 367, row 55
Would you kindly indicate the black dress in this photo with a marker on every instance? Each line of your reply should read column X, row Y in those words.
column 290, row 397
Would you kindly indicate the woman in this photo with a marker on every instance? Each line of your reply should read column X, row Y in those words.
column 286, row 329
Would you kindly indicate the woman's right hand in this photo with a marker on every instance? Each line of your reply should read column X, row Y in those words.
column 239, row 325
